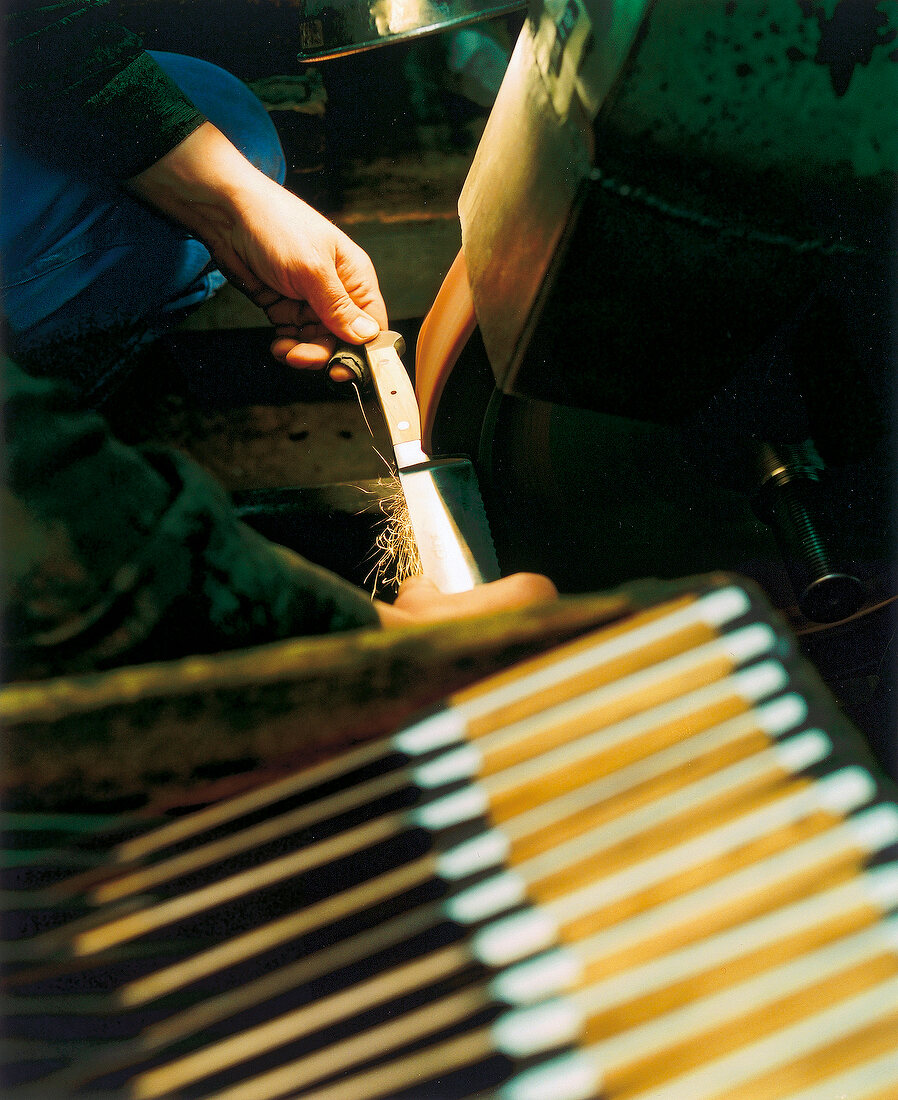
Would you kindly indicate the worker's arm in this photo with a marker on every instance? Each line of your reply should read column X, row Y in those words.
column 81, row 93
column 115, row 555
column 314, row 283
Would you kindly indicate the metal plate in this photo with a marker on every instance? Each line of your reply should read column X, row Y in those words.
column 533, row 162
column 335, row 28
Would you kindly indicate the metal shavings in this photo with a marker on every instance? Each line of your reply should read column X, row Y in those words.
column 358, row 394
column 395, row 548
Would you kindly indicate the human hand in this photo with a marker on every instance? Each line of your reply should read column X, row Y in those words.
column 420, row 601
column 314, row 283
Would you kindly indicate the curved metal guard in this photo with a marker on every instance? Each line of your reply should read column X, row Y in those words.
column 335, row 28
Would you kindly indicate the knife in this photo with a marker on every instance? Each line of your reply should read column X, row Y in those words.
column 443, row 498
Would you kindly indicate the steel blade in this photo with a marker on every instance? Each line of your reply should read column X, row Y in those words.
column 449, row 522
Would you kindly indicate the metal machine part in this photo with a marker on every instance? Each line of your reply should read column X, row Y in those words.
column 335, row 28
column 665, row 195
column 538, row 142
column 788, row 501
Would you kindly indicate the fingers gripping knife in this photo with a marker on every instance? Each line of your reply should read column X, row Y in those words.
column 444, row 502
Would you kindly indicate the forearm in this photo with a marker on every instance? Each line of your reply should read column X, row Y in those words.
column 204, row 183
column 304, row 271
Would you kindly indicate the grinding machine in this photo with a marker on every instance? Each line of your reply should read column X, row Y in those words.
column 668, row 338
column 681, row 222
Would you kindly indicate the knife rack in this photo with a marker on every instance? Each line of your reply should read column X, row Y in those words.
column 654, row 861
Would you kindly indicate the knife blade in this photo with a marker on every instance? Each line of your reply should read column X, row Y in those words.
column 445, row 507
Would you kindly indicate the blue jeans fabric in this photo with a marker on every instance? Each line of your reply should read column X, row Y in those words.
column 90, row 275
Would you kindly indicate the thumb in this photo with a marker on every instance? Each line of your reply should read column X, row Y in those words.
column 418, row 585
column 338, row 312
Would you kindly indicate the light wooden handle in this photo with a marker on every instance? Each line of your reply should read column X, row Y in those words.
column 394, row 388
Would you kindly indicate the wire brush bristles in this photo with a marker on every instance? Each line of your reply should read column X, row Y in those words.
column 395, row 546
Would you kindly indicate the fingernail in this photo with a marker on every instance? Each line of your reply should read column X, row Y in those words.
column 365, row 328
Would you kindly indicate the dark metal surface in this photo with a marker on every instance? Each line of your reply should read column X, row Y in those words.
column 335, row 28
column 673, row 197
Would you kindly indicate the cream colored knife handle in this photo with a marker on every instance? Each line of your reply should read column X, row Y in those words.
column 394, row 388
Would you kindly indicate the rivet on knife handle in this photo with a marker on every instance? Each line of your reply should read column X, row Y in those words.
column 396, row 396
